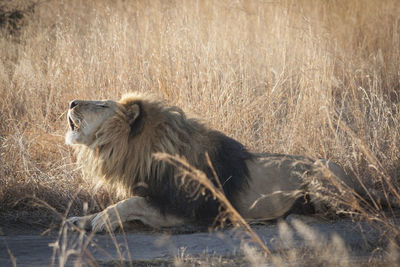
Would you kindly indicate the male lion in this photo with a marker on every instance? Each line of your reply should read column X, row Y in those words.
column 116, row 141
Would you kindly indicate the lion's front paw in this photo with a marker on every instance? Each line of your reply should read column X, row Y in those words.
column 77, row 223
column 106, row 220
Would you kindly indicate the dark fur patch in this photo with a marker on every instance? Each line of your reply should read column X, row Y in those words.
column 228, row 159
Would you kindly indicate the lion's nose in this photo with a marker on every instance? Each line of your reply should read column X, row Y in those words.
column 73, row 103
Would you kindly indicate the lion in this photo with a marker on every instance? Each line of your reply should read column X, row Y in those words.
column 116, row 141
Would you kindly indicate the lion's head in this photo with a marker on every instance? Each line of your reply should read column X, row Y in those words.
column 86, row 117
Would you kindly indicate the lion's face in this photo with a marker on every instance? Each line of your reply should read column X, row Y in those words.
column 85, row 117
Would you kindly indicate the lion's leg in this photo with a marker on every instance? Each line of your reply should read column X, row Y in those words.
column 134, row 208
column 82, row 222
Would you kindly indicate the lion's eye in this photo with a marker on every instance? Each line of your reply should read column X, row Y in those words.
column 102, row 106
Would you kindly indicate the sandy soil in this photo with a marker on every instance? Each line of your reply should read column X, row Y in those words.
column 146, row 247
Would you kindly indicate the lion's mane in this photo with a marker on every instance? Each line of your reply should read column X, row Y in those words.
column 122, row 154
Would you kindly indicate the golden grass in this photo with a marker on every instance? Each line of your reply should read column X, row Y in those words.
column 320, row 78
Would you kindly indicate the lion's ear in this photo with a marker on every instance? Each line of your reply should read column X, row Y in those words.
column 133, row 113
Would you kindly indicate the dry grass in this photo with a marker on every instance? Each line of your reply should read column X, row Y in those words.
column 320, row 78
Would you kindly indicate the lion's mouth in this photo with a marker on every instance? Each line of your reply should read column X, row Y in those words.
column 72, row 124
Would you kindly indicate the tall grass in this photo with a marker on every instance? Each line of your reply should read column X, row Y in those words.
column 320, row 78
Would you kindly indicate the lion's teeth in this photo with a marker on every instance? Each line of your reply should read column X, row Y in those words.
column 73, row 125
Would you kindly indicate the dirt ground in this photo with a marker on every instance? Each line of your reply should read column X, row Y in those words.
column 342, row 240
